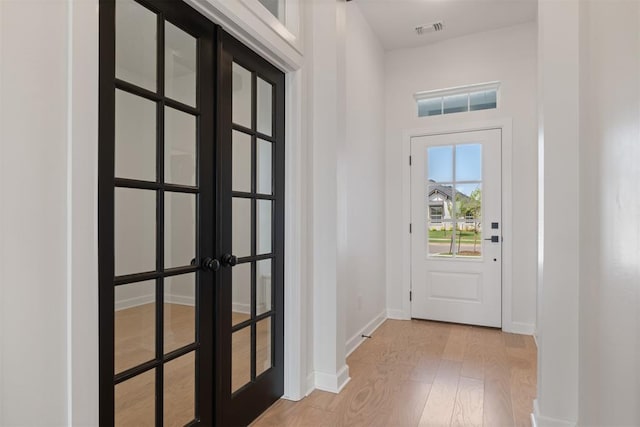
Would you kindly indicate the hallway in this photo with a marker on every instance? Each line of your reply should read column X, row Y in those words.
column 427, row 374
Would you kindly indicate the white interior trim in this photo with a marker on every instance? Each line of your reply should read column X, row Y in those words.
column 398, row 314
column 505, row 125
column 82, row 213
column 427, row 94
column 254, row 26
column 354, row 342
column 333, row 383
column 537, row 419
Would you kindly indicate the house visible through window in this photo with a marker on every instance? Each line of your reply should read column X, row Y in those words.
column 435, row 213
column 461, row 99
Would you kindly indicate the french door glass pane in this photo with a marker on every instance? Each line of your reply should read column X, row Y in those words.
column 263, row 226
column 241, row 239
column 469, row 162
column 134, row 325
column 439, row 219
column 135, row 137
column 263, row 345
column 136, row 35
column 179, row 147
column 264, row 290
column 264, row 167
column 179, row 390
column 135, row 401
column 179, row 229
column 179, row 311
column 241, row 179
column 440, row 164
column 134, row 231
column 242, row 96
column 179, row 65
column 264, row 99
column 469, row 220
column 241, row 294
column 240, row 358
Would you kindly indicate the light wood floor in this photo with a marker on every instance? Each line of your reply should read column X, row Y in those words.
column 420, row 373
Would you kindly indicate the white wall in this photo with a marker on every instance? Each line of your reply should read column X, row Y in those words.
column 558, row 319
column 507, row 55
column 33, row 226
column 361, row 242
column 609, row 384
column 325, row 30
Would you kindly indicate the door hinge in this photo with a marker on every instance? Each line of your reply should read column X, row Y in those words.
column 410, row 296
column 410, row 228
column 409, row 160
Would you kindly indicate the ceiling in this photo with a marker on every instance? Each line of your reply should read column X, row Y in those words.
column 394, row 20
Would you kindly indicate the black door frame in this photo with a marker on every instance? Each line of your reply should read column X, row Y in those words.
column 214, row 404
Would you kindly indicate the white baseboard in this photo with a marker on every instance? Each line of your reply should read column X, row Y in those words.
column 134, row 302
column 150, row 299
column 538, row 420
column 397, row 314
column 357, row 339
column 180, row 300
column 520, row 328
column 311, row 384
column 241, row 308
column 535, row 338
column 332, row 383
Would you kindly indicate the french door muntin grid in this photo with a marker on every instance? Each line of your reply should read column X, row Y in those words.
column 254, row 196
column 109, row 185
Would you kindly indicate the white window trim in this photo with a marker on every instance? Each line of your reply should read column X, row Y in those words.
column 457, row 90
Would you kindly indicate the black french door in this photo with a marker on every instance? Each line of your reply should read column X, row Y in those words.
column 191, row 220
column 251, row 135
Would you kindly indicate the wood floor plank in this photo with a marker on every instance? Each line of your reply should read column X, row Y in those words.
column 473, row 362
column 408, row 403
column 498, row 410
column 294, row 414
column 439, row 406
column 425, row 370
column 456, row 344
column 469, row 404
column 389, row 389
column 410, row 373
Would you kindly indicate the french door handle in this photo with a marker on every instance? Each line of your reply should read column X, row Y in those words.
column 228, row 260
column 494, row 239
column 211, row 264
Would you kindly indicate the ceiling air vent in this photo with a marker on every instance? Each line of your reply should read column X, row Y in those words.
column 429, row 28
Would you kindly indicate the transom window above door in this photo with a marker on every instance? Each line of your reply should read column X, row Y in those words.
column 483, row 96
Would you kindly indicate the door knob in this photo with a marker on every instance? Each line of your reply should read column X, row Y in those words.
column 228, row 260
column 211, row 264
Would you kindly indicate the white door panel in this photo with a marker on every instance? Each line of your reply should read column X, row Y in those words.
column 455, row 211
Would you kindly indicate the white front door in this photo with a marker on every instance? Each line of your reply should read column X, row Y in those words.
column 456, row 227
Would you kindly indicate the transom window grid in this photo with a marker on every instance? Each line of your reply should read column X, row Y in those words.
column 476, row 97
